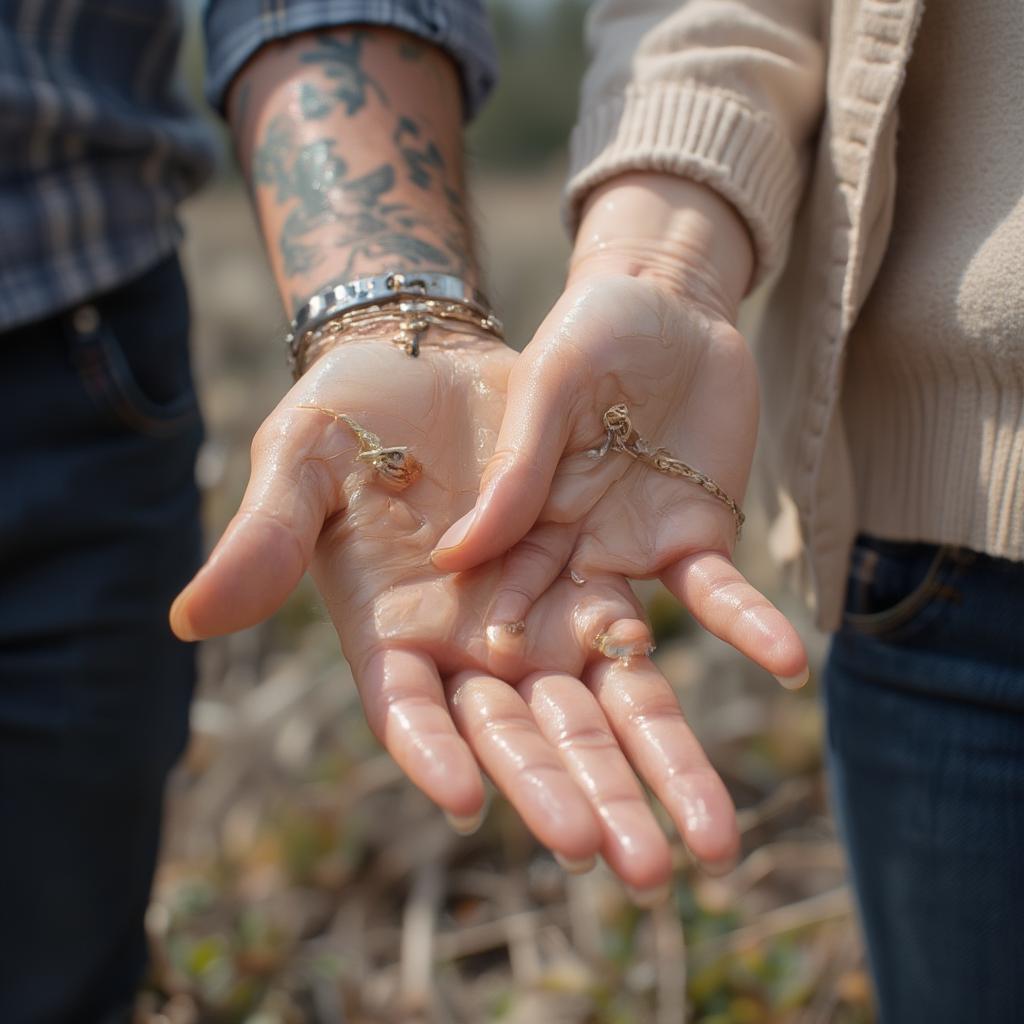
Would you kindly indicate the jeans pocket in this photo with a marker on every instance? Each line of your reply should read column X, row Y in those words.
column 137, row 371
column 895, row 589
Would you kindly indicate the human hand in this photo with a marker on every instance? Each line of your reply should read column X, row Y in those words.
column 648, row 323
column 352, row 143
column 436, row 692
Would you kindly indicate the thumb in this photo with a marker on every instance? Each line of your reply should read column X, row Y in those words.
column 268, row 544
column 516, row 480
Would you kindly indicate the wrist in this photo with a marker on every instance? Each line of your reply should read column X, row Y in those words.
column 676, row 232
column 404, row 322
column 454, row 344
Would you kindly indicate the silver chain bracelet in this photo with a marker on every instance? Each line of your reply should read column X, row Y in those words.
column 382, row 289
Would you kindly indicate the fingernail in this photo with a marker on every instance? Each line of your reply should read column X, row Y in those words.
column 719, row 867
column 507, row 607
column 575, row 867
column 465, row 825
column 501, row 632
column 795, row 682
column 623, row 652
column 624, row 640
column 180, row 624
column 647, row 899
column 456, row 533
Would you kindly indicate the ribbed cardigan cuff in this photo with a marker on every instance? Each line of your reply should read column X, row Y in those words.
column 695, row 132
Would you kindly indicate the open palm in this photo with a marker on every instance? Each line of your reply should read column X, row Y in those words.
column 435, row 688
column 689, row 382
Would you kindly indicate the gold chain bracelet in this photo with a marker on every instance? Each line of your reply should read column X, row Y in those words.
column 411, row 317
column 622, row 437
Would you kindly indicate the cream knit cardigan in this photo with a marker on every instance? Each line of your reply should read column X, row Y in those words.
column 787, row 109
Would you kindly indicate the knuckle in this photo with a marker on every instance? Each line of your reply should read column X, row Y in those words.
column 519, row 465
column 532, row 553
column 276, row 520
column 729, row 617
column 515, row 591
column 727, row 597
column 267, row 434
column 591, row 738
column 542, row 773
column 398, row 698
column 698, row 776
column 315, row 478
column 624, row 800
column 495, row 468
column 396, row 706
column 496, row 728
column 659, row 710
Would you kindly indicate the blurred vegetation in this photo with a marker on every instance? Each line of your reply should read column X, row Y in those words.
column 542, row 59
column 306, row 882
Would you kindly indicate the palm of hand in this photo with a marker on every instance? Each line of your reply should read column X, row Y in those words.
column 436, row 692
column 690, row 384
column 372, row 558
column 698, row 400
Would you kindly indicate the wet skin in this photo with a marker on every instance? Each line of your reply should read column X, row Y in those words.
column 548, row 717
column 486, row 656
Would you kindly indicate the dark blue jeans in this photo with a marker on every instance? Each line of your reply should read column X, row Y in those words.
column 98, row 530
column 925, row 697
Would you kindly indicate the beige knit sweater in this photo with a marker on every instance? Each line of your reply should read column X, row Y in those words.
column 788, row 108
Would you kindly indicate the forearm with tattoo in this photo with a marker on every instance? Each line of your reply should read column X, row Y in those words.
column 352, row 144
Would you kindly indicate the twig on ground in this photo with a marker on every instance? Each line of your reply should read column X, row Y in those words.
column 784, row 856
column 791, row 792
column 826, row 906
column 670, row 965
column 419, row 924
column 821, row 1009
column 481, row 938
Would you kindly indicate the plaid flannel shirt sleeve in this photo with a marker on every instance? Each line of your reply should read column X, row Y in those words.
column 236, row 29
